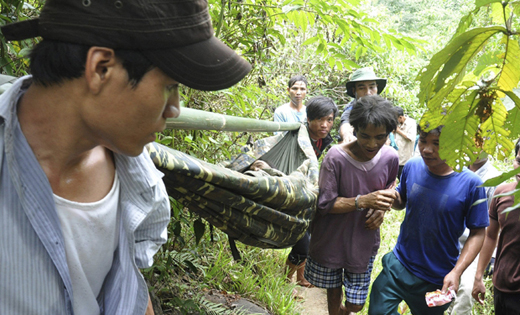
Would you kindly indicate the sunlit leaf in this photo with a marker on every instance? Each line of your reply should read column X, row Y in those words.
column 456, row 143
column 510, row 75
column 493, row 132
column 513, row 118
column 446, row 67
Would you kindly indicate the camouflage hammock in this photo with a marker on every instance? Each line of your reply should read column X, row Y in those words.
column 261, row 208
column 256, row 208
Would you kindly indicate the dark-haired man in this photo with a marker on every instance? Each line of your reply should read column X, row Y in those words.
column 439, row 205
column 82, row 208
column 362, row 82
column 294, row 110
column 321, row 112
column 356, row 187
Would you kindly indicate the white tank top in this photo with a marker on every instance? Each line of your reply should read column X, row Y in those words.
column 91, row 236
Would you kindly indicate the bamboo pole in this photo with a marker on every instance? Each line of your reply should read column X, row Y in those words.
column 193, row 119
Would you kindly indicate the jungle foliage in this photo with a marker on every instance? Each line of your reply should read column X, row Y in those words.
column 469, row 87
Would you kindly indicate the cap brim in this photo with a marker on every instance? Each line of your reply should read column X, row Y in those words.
column 208, row 65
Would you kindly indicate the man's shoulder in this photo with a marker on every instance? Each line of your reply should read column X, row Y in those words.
column 470, row 177
column 505, row 187
column 389, row 152
column 139, row 169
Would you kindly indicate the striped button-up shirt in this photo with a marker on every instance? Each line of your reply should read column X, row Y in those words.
column 34, row 277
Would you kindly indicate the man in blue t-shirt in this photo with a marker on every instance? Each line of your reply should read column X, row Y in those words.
column 439, row 205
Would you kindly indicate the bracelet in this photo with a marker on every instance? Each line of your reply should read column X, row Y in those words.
column 356, row 202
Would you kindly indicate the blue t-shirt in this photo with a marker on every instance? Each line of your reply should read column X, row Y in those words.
column 437, row 210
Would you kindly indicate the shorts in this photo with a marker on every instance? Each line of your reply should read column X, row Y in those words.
column 356, row 284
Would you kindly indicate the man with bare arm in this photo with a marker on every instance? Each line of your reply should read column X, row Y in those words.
column 439, row 205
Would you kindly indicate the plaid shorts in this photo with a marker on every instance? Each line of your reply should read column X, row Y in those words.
column 356, row 284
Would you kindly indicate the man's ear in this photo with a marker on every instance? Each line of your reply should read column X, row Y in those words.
column 99, row 67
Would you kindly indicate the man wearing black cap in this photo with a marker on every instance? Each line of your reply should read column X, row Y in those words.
column 362, row 82
column 82, row 208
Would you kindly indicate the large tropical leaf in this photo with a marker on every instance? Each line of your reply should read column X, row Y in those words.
column 445, row 69
column 493, row 131
column 513, row 118
column 457, row 142
column 510, row 74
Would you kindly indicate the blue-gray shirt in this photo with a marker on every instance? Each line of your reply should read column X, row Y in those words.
column 34, row 276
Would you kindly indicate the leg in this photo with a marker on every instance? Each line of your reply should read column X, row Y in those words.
column 464, row 301
column 334, row 301
column 296, row 260
column 330, row 279
column 356, row 288
column 387, row 291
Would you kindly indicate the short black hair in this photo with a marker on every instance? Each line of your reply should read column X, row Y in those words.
column 297, row 78
column 373, row 110
column 435, row 131
column 53, row 62
column 399, row 110
column 517, row 147
column 320, row 106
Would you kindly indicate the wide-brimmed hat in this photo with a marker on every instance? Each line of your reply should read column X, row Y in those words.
column 175, row 35
column 365, row 74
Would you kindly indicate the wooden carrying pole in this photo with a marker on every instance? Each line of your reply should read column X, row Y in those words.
column 194, row 119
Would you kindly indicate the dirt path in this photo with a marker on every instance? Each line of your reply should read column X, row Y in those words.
column 314, row 301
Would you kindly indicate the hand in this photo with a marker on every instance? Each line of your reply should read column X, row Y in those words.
column 479, row 291
column 378, row 200
column 451, row 280
column 374, row 219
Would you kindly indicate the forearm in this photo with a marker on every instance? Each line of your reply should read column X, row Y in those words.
column 470, row 250
column 488, row 248
column 398, row 203
column 377, row 200
column 404, row 135
column 343, row 205
column 149, row 308
column 346, row 131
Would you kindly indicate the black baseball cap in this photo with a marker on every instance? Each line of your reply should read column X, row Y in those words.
column 175, row 35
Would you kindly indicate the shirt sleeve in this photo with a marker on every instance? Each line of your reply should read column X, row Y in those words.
column 346, row 115
column 477, row 216
column 152, row 232
column 328, row 185
column 278, row 116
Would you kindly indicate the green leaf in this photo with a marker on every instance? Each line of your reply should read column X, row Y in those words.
column 331, row 61
column 513, row 117
column 492, row 182
column 456, row 140
column 510, row 74
column 310, row 41
column 494, row 134
column 446, row 67
column 480, row 3
column 290, row 8
column 497, row 13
